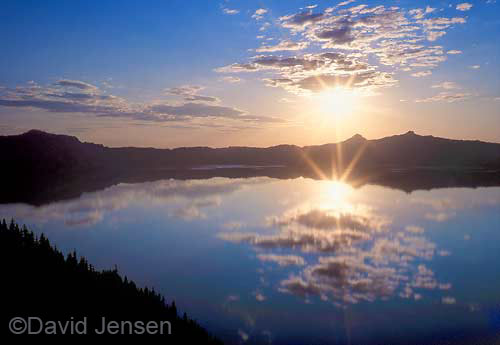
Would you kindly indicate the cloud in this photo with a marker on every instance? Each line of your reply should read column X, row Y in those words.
column 314, row 230
column 284, row 45
column 353, row 255
column 316, row 72
column 75, row 84
column 368, row 37
column 415, row 229
column 190, row 93
column 233, row 225
column 230, row 11
column 444, row 97
column 282, row 260
column 465, row 6
column 324, row 219
column 345, row 3
column 366, row 275
column 196, row 110
column 318, row 83
column 475, row 67
column 441, row 23
column 57, row 99
column 440, row 216
column 420, row 13
column 454, row 52
column 300, row 21
column 265, row 26
column 231, row 79
column 421, row 74
column 180, row 199
column 434, row 35
column 448, row 85
column 259, row 14
column 339, row 36
column 299, row 287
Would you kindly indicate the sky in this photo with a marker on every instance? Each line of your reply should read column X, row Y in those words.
column 254, row 73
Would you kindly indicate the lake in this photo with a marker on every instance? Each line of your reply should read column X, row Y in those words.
column 293, row 261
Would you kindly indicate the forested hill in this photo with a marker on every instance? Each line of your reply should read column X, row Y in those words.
column 39, row 281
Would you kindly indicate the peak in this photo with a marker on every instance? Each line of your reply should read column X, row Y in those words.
column 356, row 138
column 410, row 133
column 35, row 132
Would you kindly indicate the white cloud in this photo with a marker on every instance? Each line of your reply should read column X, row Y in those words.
column 415, row 229
column 282, row 260
column 377, row 36
column 283, row 45
column 421, row 74
column 259, row 14
column 443, row 97
column 230, row 11
column 448, row 85
column 465, row 6
column 231, row 79
column 75, row 84
column 454, row 52
column 434, row 35
column 265, row 26
column 360, row 258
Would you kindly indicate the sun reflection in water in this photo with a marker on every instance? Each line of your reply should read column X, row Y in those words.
column 337, row 192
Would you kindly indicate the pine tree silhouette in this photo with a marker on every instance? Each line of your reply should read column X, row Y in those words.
column 39, row 281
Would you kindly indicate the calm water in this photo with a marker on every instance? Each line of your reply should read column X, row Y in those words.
column 298, row 261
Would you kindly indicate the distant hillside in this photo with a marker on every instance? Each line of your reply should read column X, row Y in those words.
column 45, row 167
column 36, row 153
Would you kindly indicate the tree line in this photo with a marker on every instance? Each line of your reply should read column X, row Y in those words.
column 38, row 280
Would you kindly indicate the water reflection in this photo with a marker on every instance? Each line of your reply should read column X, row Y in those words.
column 184, row 199
column 264, row 259
column 360, row 256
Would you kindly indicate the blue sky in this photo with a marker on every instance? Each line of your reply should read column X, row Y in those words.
column 218, row 73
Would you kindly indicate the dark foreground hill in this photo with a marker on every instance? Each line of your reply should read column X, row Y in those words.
column 38, row 281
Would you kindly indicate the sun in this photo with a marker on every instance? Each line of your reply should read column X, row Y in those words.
column 337, row 192
column 338, row 101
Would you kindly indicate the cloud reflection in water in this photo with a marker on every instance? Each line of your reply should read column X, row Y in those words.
column 357, row 254
column 182, row 199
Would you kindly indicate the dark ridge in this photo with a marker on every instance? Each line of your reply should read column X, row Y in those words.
column 46, row 166
column 38, row 281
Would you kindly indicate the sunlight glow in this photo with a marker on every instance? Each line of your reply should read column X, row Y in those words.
column 338, row 101
column 337, row 191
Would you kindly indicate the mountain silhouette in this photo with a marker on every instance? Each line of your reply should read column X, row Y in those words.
column 42, row 167
column 43, row 153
